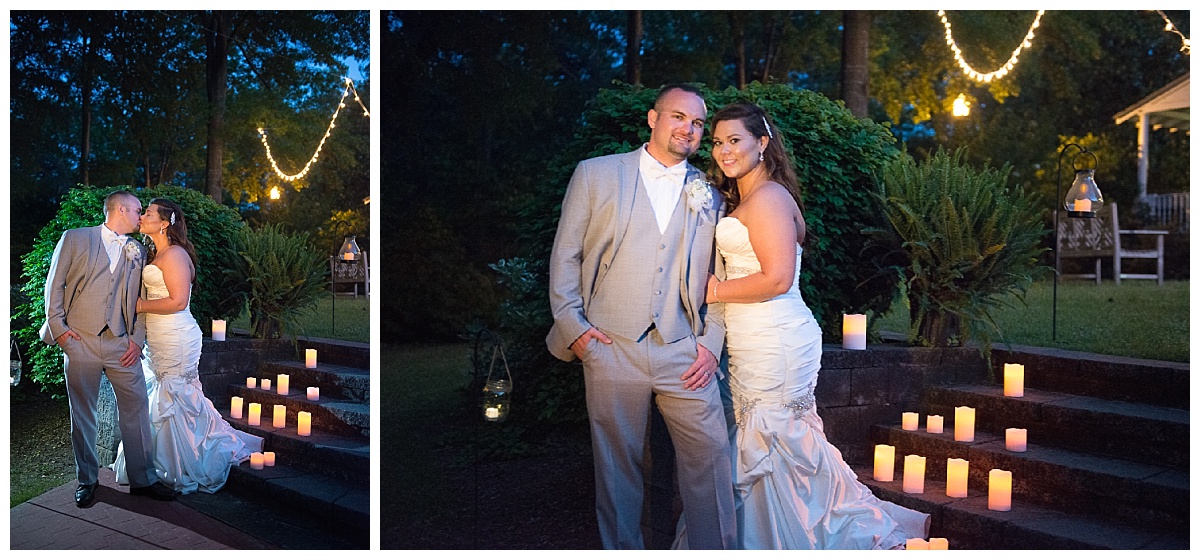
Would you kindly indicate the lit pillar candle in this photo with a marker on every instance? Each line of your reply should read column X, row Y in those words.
column 916, row 544
column 304, row 424
column 255, row 414
column 269, row 458
column 1083, row 205
column 1014, row 439
column 964, row 423
column 1014, row 380
column 914, row 474
column 885, row 463
column 251, row 382
column 854, row 332
column 999, row 490
column 257, row 461
column 347, row 256
column 310, row 358
column 933, row 424
column 938, row 543
column 235, row 407
column 282, row 382
column 218, row 329
column 279, row 419
column 314, row 393
column 909, row 421
column 956, row 477
column 266, row 384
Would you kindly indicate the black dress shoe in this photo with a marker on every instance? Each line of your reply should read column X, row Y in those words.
column 85, row 494
column 158, row 491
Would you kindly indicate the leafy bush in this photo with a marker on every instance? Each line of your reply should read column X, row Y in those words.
column 835, row 156
column 967, row 239
column 280, row 277
column 211, row 228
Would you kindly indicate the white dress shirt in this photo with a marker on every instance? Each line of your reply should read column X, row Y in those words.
column 663, row 185
column 114, row 244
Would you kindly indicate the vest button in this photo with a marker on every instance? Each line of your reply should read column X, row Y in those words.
column 658, row 292
column 663, row 246
column 660, row 269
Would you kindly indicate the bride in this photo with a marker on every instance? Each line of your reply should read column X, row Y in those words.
column 194, row 447
column 793, row 490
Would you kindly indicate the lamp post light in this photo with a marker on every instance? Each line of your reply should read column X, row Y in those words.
column 1082, row 201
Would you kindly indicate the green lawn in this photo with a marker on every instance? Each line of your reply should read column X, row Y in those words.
column 1138, row 319
column 351, row 322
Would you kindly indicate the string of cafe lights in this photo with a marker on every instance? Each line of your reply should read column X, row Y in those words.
column 1187, row 45
column 262, row 134
column 1004, row 69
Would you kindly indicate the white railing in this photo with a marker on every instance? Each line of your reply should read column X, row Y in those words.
column 1168, row 211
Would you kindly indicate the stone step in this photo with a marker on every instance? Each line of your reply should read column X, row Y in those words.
column 337, row 352
column 1125, row 491
column 335, row 381
column 347, row 458
column 342, row 507
column 1118, row 378
column 1134, row 431
column 329, row 414
column 970, row 525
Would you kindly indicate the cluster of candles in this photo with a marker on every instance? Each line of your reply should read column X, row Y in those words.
column 279, row 418
column 260, row 460
column 933, row 543
column 999, row 481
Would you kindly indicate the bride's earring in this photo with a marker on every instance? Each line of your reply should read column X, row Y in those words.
column 760, row 156
column 164, row 230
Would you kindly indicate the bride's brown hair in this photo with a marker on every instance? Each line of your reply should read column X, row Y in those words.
column 176, row 230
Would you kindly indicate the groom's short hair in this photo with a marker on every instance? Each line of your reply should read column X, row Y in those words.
column 663, row 91
column 113, row 200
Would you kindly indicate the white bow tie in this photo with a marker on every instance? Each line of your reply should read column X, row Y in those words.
column 676, row 174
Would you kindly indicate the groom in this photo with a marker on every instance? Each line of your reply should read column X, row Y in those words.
column 91, row 294
column 628, row 272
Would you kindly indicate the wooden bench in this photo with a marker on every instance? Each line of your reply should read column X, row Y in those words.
column 1100, row 237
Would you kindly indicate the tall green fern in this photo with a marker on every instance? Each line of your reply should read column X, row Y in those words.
column 967, row 239
column 280, row 277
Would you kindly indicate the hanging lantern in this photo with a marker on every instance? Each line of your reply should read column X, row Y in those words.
column 14, row 360
column 274, row 193
column 1084, row 199
column 962, row 107
column 349, row 251
column 497, row 393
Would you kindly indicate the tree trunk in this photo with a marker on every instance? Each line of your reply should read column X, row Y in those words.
column 771, row 48
column 738, row 23
column 85, row 87
column 855, row 78
column 633, row 50
column 216, row 40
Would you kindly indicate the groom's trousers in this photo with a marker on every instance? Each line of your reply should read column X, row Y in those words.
column 83, row 361
column 623, row 380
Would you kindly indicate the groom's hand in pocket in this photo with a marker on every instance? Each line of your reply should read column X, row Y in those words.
column 63, row 337
column 702, row 370
column 131, row 354
column 581, row 343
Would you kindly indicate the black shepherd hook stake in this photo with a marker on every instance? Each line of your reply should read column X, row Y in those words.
column 477, row 366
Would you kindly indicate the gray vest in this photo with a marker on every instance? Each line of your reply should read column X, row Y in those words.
column 650, row 265
column 102, row 301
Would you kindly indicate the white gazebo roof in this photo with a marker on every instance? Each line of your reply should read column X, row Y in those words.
column 1169, row 107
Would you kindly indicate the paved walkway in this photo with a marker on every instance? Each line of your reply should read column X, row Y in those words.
column 119, row 521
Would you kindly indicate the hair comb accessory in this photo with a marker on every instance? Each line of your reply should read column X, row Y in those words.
column 769, row 135
column 172, row 218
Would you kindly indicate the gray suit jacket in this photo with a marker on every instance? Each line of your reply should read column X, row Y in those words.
column 74, row 301
column 595, row 216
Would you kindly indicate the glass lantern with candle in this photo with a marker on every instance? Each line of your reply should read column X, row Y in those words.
column 1083, row 199
column 497, row 393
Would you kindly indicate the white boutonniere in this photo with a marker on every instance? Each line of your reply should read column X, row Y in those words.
column 699, row 195
column 133, row 251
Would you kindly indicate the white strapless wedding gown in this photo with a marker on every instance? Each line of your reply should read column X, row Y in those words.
column 793, row 490
column 194, row 447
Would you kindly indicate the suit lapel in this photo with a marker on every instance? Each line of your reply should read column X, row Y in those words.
column 627, row 184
